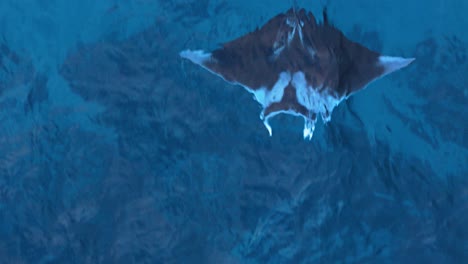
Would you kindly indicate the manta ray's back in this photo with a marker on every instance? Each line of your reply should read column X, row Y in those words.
column 295, row 65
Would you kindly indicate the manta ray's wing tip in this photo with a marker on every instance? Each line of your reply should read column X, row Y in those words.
column 392, row 64
column 196, row 56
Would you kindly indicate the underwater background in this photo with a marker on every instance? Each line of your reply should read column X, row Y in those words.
column 115, row 150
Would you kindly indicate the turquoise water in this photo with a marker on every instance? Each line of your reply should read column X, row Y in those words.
column 115, row 150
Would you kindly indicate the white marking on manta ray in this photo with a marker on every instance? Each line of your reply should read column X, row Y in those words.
column 300, row 35
column 297, row 28
column 291, row 35
column 310, row 98
column 266, row 97
column 197, row 57
column 392, row 64
column 314, row 101
column 277, row 52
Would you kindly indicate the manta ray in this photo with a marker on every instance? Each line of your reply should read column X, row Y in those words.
column 296, row 65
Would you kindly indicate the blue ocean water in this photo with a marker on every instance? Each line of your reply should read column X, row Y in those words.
column 115, row 150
